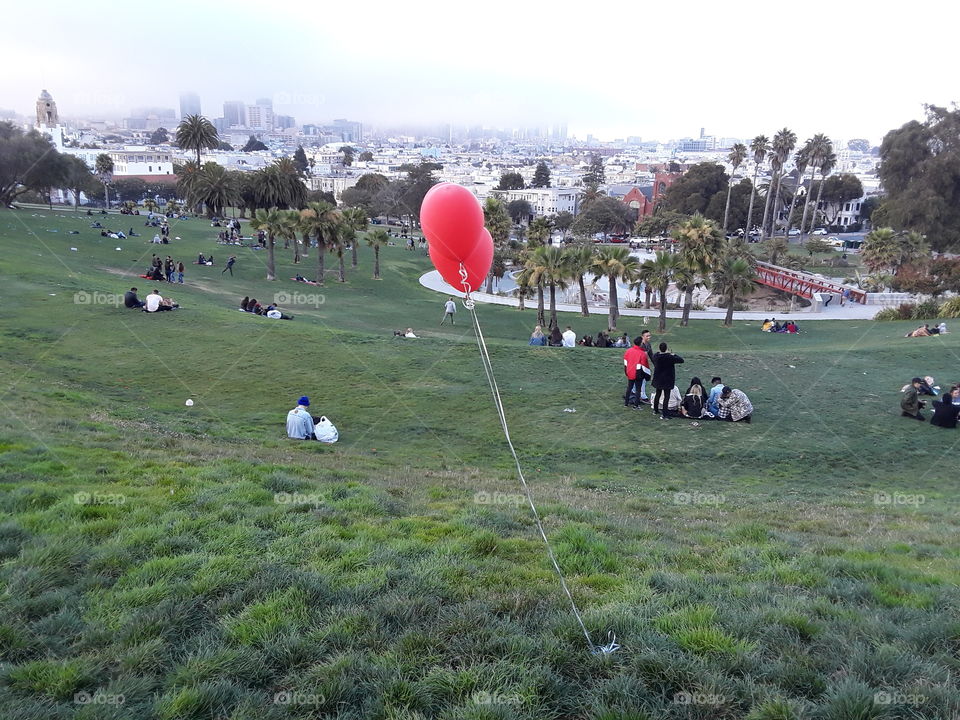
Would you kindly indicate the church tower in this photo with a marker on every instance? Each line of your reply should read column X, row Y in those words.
column 47, row 110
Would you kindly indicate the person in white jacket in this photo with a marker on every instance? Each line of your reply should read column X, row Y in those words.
column 569, row 337
column 300, row 423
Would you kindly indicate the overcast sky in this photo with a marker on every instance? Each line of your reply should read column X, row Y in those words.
column 659, row 71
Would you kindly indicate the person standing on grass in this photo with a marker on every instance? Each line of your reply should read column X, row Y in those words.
column 664, row 378
column 449, row 308
column 180, row 272
column 910, row 402
column 229, row 266
column 168, row 268
column 648, row 349
column 636, row 366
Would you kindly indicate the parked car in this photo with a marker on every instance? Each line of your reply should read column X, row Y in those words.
column 794, row 232
column 820, row 231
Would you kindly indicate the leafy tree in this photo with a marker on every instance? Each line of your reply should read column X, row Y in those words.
column 868, row 206
column 817, row 245
column 615, row 263
column 416, row 185
column 840, row 189
column 366, row 156
column 693, row 192
column 732, row 279
column 519, row 210
column 563, row 221
column 347, row 155
column 885, row 250
column 497, row 221
column 919, row 167
column 300, row 160
column 103, row 166
column 76, row 177
column 272, row 222
column 129, row 189
column 377, row 239
column 253, row 145
column 541, row 176
column 580, row 260
column 511, row 181
column 159, row 136
column 660, row 223
column 196, row 133
column 605, row 215
column 595, row 173
column 738, row 153
column 701, row 242
column 221, row 145
column 759, row 146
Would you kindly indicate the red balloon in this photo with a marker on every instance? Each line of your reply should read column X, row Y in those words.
column 476, row 265
column 451, row 218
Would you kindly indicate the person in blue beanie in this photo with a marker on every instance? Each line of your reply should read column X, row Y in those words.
column 300, row 422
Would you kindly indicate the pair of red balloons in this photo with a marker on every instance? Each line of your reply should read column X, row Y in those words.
column 460, row 246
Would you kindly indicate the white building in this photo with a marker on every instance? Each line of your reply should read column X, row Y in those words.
column 543, row 201
column 335, row 184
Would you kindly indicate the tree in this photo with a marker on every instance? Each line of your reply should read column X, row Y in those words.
column 548, row 267
column 563, row 221
column 819, row 148
column 580, row 260
column 615, row 263
column 660, row 223
column 738, row 153
column 377, row 239
column 347, row 155
column 595, row 174
column 869, row 206
column 323, row 220
column 280, row 185
column 159, row 136
column 541, row 176
column 605, row 215
column 196, row 133
column 221, row 145
column 366, row 156
column 701, row 242
column 76, row 177
column 272, row 222
column 214, row 188
column 840, row 189
column 129, row 189
column 733, row 279
column 358, row 220
column 416, row 185
column 774, row 247
column 539, row 231
column 253, row 145
column 511, row 181
column 817, row 245
column 783, row 143
column 658, row 274
column 300, row 160
column 103, row 166
column 519, row 210
column 759, row 146
column 827, row 163
column 695, row 191
column 885, row 250
column 497, row 221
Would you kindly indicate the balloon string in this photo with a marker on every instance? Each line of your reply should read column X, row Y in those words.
column 612, row 645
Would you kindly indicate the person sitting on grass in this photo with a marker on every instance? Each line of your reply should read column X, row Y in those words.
column 602, row 340
column 274, row 313
column 694, row 402
column 910, row 402
column 945, row 412
column 131, row 300
column 300, row 423
column 409, row 333
column 791, row 327
column 713, row 400
column 735, row 406
column 674, row 403
column 537, row 337
column 586, row 341
column 569, row 338
column 922, row 331
column 244, row 303
column 156, row 303
column 767, row 326
column 556, row 337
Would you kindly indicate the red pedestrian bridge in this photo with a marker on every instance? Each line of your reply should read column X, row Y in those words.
column 802, row 284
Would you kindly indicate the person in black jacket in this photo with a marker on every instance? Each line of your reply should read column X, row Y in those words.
column 131, row 300
column 664, row 377
column 945, row 412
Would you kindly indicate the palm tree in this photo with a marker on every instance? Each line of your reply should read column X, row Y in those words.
column 357, row 219
column 323, row 219
column 523, row 288
column 775, row 247
column 197, row 133
column 733, row 279
column 759, row 147
column 827, row 162
column 738, row 153
column 701, row 242
column 818, row 147
column 658, row 274
column 215, row 189
column 615, row 263
column 188, row 180
column 548, row 267
column 272, row 222
column 579, row 263
column 801, row 160
column 150, row 205
column 539, row 231
column 377, row 239
column 290, row 226
column 104, row 168
column 498, row 224
column 783, row 143
column 343, row 236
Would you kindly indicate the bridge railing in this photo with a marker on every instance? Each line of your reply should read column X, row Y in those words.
column 804, row 284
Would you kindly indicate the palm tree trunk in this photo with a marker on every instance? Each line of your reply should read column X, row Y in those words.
column 614, row 302
column 489, row 289
column 647, row 292
column 753, row 192
column 728, row 318
column 321, row 271
column 521, row 295
column 541, row 320
column 584, row 310
column 775, row 210
column 803, row 220
column 376, row 262
column 271, row 265
column 726, row 209
column 553, row 306
column 816, row 207
column 354, row 248
column 343, row 274
column 687, row 302
column 793, row 204
column 766, row 211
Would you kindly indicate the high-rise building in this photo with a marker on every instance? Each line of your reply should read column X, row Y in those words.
column 283, row 122
column 234, row 113
column 260, row 117
column 348, row 130
column 189, row 104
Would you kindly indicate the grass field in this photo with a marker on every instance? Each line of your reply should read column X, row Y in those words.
column 173, row 562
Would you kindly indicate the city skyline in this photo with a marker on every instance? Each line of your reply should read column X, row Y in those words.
column 515, row 67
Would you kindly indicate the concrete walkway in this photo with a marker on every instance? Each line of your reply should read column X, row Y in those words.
column 849, row 311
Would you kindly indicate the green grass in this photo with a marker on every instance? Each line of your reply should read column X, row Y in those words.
column 397, row 588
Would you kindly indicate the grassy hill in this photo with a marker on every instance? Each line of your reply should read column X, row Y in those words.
column 166, row 561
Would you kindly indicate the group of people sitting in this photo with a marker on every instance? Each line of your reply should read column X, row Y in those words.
column 168, row 270
column 568, row 338
column 271, row 311
column 946, row 409
column 771, row 325
column 201, row 260
column 408, row 333
column 154, row 302
column 926, row 331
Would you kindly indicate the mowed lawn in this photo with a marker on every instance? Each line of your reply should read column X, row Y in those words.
column 166, row 561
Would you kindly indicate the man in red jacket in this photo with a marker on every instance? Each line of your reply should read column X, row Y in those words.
column 636, row 366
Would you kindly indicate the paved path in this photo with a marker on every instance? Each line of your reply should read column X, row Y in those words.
column 850, row 311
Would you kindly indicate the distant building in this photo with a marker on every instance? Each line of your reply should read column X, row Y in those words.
column 333, row 184
column 283, row 122
column 543, row 201
column 346, row 130
column 189, row 104
column 260, row 117
column 234, row 113
column 47, row 111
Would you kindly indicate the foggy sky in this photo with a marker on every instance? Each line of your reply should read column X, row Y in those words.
column 614, row 70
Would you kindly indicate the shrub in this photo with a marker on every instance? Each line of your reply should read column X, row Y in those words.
column 905, row 311
column 926, row 310
column 889, row 313
column 950, row 308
